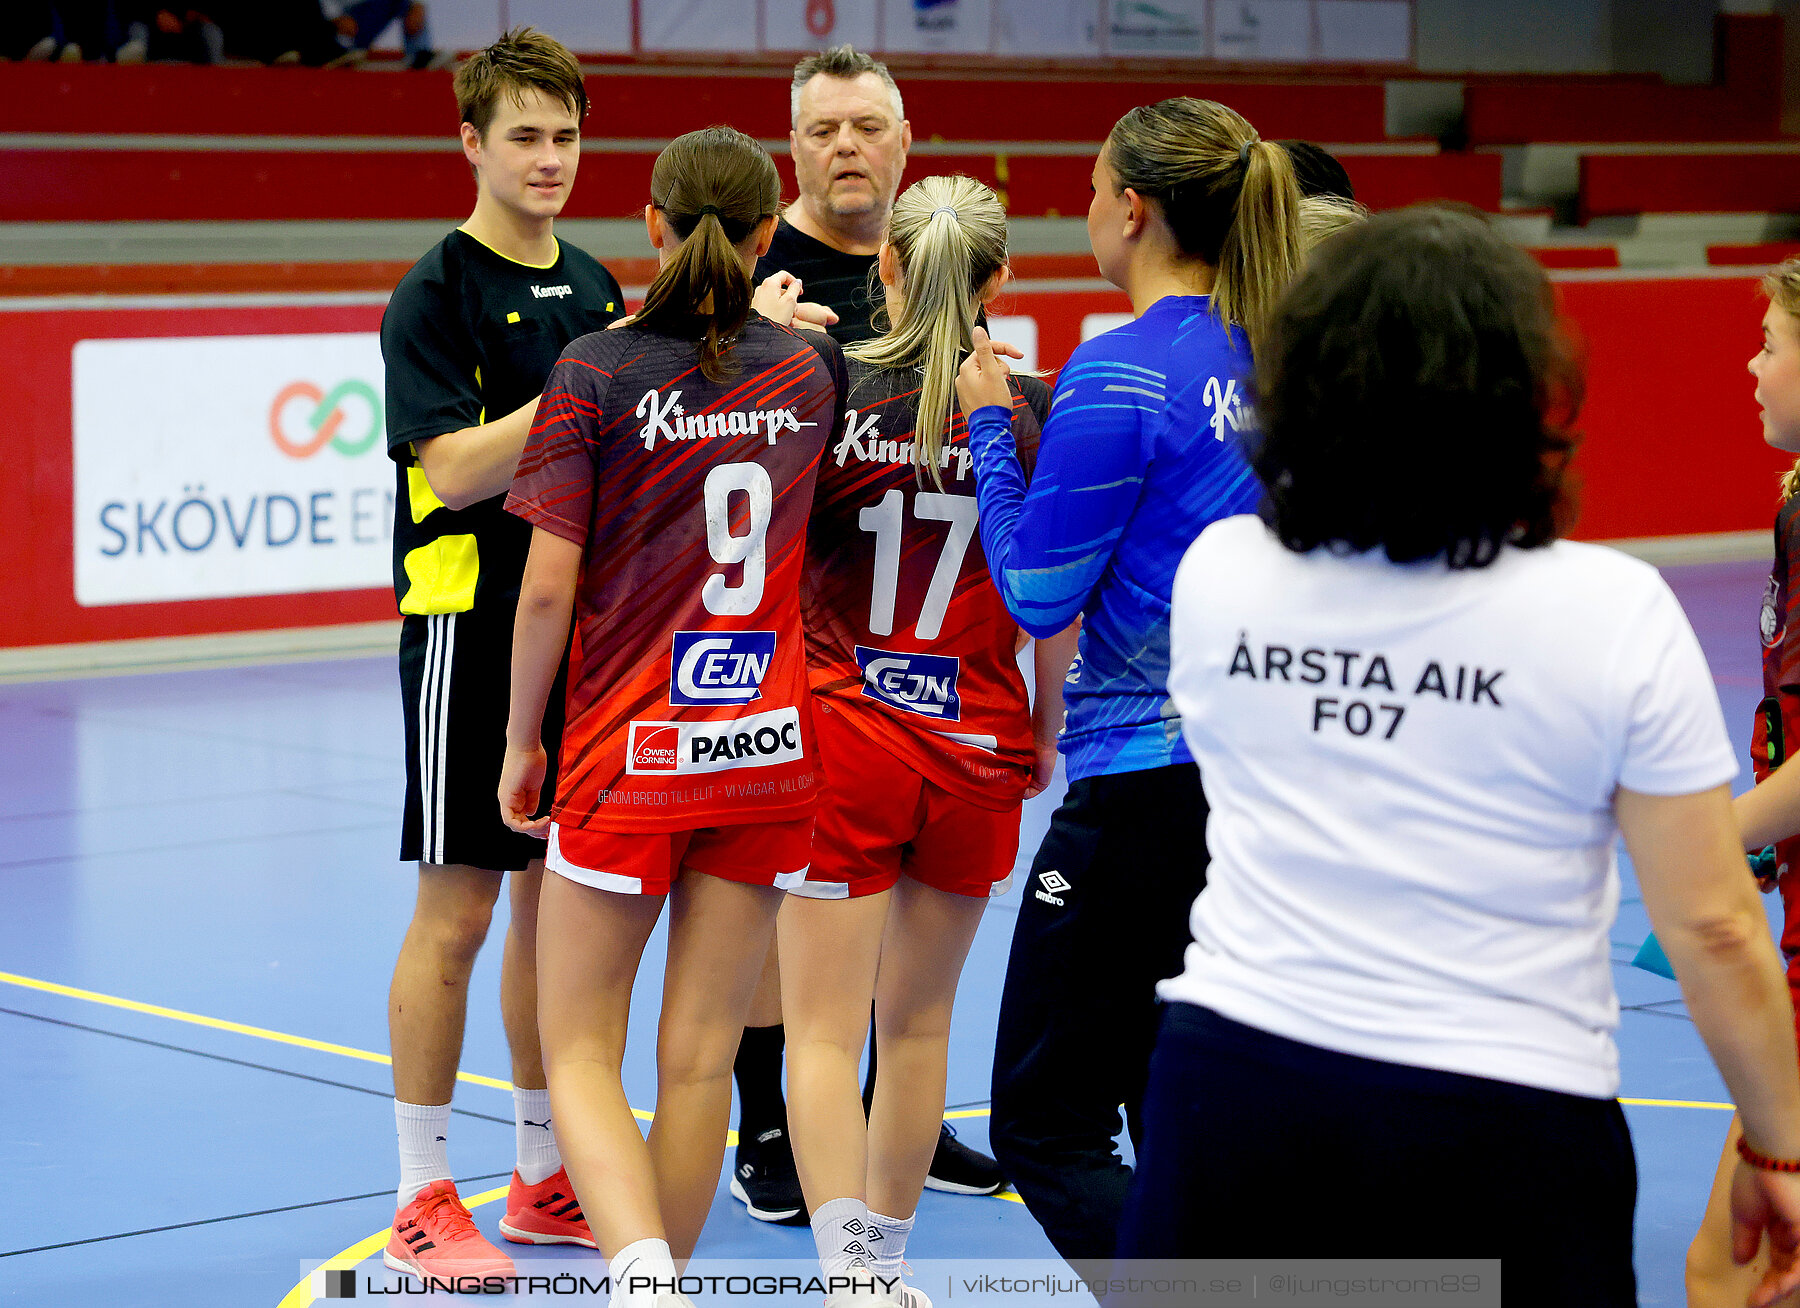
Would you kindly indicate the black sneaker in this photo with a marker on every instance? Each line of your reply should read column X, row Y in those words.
column 958, row 1169
column 763, row 1179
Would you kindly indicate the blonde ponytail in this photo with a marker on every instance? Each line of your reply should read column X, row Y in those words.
column 948, row 235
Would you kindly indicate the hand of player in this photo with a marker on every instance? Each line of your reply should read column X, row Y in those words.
column 810, row 316
column 778, row 300
column 981, row 381
column 521, row 786
column 1043, row 767
column 1766, row 1206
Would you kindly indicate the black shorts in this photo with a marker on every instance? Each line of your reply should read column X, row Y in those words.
column 455, row 670
column 1370, row 1159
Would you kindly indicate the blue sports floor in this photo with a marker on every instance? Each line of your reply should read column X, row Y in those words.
column 205, row 912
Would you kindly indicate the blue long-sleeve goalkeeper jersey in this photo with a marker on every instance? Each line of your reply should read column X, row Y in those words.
column 1140, row 453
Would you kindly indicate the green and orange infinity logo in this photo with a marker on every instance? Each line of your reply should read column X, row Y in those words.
column 325, row 417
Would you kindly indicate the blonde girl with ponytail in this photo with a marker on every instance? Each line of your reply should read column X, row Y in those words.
column 668, row 482
column 1196, row 218
column 926, row 743
column 1768, row 814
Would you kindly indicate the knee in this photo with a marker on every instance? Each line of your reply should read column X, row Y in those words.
column 693, row 1058
column 455, row 932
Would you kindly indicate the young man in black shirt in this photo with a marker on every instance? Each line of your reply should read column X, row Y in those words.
column 468, row 338
column 849, row 142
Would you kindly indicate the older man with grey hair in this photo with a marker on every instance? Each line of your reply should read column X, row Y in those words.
column 848, row 141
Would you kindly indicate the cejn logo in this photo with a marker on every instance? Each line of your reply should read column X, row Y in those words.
column 913, row 683
column 758, row 740
column 719, row 667
column 325, row 415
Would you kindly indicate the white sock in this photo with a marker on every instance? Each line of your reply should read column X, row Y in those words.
column 424, row 1151
column 640, row 1259
column 538, row 1158
column 841, row 1231
column 887, row 1237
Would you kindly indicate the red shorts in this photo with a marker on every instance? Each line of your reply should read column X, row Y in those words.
column 647, row 862
column 879, row 819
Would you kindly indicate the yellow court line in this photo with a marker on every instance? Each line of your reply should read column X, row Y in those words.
column 239, row 1028
column 1679, row 1103
column 302, row 1294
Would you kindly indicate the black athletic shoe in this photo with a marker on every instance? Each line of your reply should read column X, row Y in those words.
column 958, row 1169
column 763, row 1179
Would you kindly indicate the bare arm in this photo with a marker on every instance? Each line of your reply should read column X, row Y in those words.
column 1770, row 811
column 1050, row 666
column 540, row 637
column 1690, row 866
column 472, row 464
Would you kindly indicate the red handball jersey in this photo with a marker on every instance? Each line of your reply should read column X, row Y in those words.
column 906, row 635
column 1777, row 733
column 687, row 701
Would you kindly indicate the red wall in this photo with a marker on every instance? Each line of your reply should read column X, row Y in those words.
column 1672, row 442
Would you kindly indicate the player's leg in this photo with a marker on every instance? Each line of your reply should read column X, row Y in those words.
column 540, row 1203
column 590, row 942
column 428, row 1001
column 719, row 932
column 929, row 932
column 830, row 950
column 960, row 857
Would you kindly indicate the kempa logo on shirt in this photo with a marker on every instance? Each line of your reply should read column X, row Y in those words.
column 551, row 292
column 719, row 667
column 1229, row 409
column 759, row 740
column 863, row 440
column 664, row 416
column 1053, row 883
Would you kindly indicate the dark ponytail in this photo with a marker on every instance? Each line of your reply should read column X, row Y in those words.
column 713, row 188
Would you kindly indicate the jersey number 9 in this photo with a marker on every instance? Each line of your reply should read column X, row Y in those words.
column 750, row 549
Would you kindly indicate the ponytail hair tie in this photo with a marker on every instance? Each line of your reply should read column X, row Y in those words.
column 713, row 210
column 1244, row 152
column 944, row 209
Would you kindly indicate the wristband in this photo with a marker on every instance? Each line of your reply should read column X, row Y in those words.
column 1763, row 1162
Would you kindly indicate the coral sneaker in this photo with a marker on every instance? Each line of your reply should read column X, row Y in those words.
column 545, row 1213
column 434, row 1236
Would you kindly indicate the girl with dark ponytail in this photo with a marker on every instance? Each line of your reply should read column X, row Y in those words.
column 668, row 483
column 1196, row 218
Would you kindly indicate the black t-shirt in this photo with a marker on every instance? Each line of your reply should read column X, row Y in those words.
column 827, row 276
column 470, row 335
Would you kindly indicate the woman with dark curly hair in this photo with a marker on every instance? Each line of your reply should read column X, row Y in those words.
column 1422, row 720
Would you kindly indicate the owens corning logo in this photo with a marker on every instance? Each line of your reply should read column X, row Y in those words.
column 665, row 417
column 552, row 292
column 325, row 415
column 656, row 750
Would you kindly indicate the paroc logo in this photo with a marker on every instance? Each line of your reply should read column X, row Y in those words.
column 301, row 405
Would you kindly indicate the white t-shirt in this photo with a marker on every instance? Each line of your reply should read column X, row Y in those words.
column 1411, row 773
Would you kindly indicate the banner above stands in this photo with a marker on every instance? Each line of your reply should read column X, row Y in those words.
column 1357, row 32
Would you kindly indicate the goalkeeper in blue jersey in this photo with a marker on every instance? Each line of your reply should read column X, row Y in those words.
column 1195, row 218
